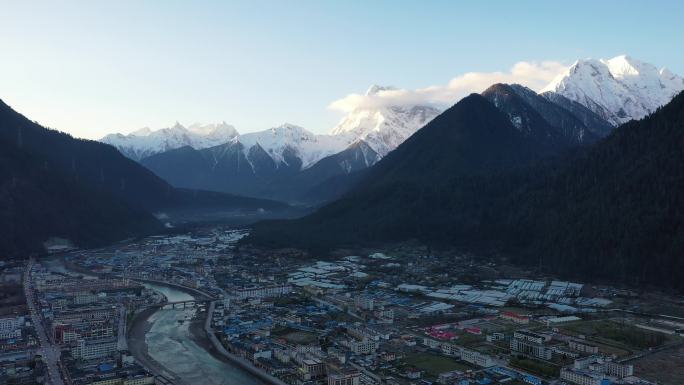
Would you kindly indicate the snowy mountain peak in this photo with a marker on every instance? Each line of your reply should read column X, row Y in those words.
column 375, row 89
column 383, row 128
column 218, row 130
column 623, row 66
column 178, row 126
column 618, row 89
column 145, row 142
column 145, row 131
column 292, row 139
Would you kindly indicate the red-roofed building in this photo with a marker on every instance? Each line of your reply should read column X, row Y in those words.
column 514, row 317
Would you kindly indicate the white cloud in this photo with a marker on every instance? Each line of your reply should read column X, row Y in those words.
column 534, row 75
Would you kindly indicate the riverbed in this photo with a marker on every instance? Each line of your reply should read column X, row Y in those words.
column 172, row 344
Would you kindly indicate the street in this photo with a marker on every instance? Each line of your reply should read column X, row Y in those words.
column 49, row 352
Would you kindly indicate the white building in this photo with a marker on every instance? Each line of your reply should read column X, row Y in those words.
column 263, row 291
column 10, row 327
column 364, row 302
column 477, row 358
column 363, row 347
column 88, row 350
column 581, row 377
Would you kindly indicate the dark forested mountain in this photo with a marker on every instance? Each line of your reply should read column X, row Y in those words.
column 589, row 118
column 52, row 185
column 227, row 168
column 38, row 201
column 230, row 168
column 101, row 167
column 535, row 115
column 613, row 210
column 616, row 211
column 94, row 164
column 405, row 189
column 326, row 180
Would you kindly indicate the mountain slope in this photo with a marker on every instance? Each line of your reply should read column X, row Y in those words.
column 619, row 89
column 573, row 125
column 326, row 179
column 39, row 202
column 94, row 164
column 398, row 196
column 228, row 168
column 616, row 212
column 589, row 118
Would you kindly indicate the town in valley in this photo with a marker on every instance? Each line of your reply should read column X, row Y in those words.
column 398, row 316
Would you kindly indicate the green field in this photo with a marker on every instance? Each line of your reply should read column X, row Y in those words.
column 295, row 336
column 435, row 364
column 535, row 366
column 617, row 333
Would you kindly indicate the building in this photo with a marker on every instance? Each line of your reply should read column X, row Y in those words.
column 450, row 349
column 596, row 370
column 618, row 370
column 263, row 292
column 495, row 337
column 345, row 377
column 477, row 358
column 364, row 302
column 582, row 346
column 91, row 349
column 514, row 317
column 527, row 335
column 599, row 364
column 312, row 368
column 66, row 333
column 128, row 375
column 384, row 315
column 11, row 323
column 365, row 346
column 531, row 343
column 10, row 327
column 581, row 377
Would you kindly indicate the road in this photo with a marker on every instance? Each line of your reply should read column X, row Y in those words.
column 122, row 343
column 49, row 351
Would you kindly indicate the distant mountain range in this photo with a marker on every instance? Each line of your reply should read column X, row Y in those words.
column 578, row 108
column 382, row 128
column 286, row 162
column 145, row 142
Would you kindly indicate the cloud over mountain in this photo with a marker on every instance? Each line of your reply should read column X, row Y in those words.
column 534, row 75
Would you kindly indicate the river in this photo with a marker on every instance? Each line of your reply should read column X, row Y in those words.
column 171, row 344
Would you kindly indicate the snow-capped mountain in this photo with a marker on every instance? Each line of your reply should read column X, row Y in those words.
column 383, row 128
column 144, row 142
column 304, row 144
column 618, row 89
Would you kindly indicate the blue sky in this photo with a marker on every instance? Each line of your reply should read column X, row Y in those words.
column 94, row 67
